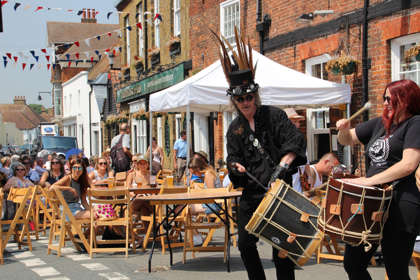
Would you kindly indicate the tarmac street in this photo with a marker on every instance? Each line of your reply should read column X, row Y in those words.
column 23, row 264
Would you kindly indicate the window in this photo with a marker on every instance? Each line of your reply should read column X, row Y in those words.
column 127, row 40
column 229, row 18
column 157, row 23
column 402, row 69
column 177, row 17
column 140, row 40
column 178, row 126
column 135, row 140
column 228, row 117
column 159, row 132
column 315, row 66
column 143, row 137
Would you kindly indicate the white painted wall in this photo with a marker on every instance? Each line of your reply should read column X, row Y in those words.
column 76, row 105
column 9, row 133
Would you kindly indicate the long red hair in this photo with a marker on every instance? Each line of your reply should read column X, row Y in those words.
column 405, row 98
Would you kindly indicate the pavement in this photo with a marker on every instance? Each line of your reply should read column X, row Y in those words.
column 23, row 264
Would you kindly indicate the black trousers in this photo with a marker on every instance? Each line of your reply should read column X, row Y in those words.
column 397, row 248
column 248, row 247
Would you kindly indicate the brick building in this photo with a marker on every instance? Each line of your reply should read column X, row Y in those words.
column 155, row 55
column 305, row 35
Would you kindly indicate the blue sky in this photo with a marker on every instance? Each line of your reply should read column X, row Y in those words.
column 25, row 30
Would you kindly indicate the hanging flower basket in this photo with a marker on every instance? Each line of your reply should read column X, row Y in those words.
column 343, row 64
column 140, row 115
column 414, row 51
column 110, row 120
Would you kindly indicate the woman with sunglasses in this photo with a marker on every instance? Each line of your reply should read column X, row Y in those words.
column 74, row 188
column 102, row 172
column 140, row 176
column 392, row 145
column 55, row 173
column 18, row 179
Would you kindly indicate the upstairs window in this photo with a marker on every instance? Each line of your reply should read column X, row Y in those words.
column 402, row 68
column 177, row 17
column 127, row 40
column 157, row 23
column 229, row 18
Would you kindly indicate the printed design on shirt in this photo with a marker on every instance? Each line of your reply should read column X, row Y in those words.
column 379, row 150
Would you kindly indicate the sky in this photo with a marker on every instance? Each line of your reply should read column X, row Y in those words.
column 24, row 30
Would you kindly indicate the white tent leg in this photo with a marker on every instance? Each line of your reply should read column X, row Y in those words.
column 347, row 149
column 188, row 142
column 150, row 143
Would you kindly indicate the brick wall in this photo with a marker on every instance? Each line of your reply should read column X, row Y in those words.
column 67, row 73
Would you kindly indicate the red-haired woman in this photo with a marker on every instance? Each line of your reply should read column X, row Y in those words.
column 74, row 187
column 392, row 144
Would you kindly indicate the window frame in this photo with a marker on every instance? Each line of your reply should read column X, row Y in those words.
column 395, row 53
column 324, row 58
column 127, row 40
column 177, row 18
column 140, row 38
column 156, row 4
column 223, row 7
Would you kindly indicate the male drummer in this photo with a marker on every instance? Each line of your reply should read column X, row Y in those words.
column 263, row 142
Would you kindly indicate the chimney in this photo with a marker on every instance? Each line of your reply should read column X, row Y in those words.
column 89, row 16
column 19, row 100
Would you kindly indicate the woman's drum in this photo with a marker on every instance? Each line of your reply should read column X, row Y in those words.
column 288, row 221
column 353, row 213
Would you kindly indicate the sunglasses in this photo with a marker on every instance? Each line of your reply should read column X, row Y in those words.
column 75, row 168
column 102, row 163
column 248, row 97
column 20, row 169
column 387, row 99
column 55, row 162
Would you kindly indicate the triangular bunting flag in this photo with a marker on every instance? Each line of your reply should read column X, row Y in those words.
column 48, row 66
column 128, row 28
column 3, row 2
column 33, row 53
column 47, row 57
column 44, row 50
column 69, row 64
column 23, row 66
column 80, row 12
column 120, row 49
column 70, row 10
column 16, row 6
column 98, row 37
column 109, row 34
column 97, row 52
column 139, row 25
column 36, row 58
column 15, row 58
column 87, row 41
column 77, row 43
column 91, row 59
column 68, row 56
column 39, row 8
column 77, row 55
column 113, row 52
column 137, row 15
column 97, row 13
column 158, row 16
column 77, row 62
column 9, row 55
column 31, row 66
column 5, row 61
column 108, row 15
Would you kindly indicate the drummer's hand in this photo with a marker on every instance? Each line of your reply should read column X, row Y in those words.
column 360, row 181
column 343, row 124
column 239, row 167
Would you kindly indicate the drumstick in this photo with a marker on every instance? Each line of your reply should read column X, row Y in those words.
column 361, row 110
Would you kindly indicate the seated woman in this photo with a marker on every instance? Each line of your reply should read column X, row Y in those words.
column 139, row 176
column 74, row 188
column 55, row 173
column 17, row 180
column 102, row 172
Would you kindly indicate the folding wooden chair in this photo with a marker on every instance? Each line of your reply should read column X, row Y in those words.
column 416, row 260
column 64, row 223
column 211, row 226
column 115, row 198
column 160, row 216
column 20, row 196
column 120, row 179
column 42, row 207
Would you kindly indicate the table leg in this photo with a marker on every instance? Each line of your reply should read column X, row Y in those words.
column 227, row 225
column 167, row 228
column 154, row 240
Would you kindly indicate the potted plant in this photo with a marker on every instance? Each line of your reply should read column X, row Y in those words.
column 174, row 46
column 414, row 51
column 343, row 64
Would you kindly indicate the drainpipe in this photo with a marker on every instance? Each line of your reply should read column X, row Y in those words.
column 90, row 120
column 365, row 59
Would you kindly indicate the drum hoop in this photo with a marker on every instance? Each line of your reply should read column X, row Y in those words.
column 348, row 233
column 357, row 185
column 359, row 195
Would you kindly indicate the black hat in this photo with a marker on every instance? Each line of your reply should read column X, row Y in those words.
column 241, row 73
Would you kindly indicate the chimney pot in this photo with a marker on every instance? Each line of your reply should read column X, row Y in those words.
column 88, row 14
column 93, row 13
column 84, row 13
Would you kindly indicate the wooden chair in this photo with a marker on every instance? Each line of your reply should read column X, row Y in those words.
column 416, row 260
column 64, row 224
column 191, row 226
column 120, row 179
column 120, row 198
column 176, row 230
column 42, row 207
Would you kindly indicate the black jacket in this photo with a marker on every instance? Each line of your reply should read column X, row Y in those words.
column 276, row 134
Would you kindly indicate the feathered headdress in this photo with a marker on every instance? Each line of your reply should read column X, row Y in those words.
column 240, row 75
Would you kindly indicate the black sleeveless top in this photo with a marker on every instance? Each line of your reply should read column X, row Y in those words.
column 52, row 179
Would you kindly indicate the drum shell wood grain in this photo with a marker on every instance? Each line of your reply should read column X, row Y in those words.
column 352, row 226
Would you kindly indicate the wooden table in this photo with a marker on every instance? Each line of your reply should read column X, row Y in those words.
column 205, row 197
